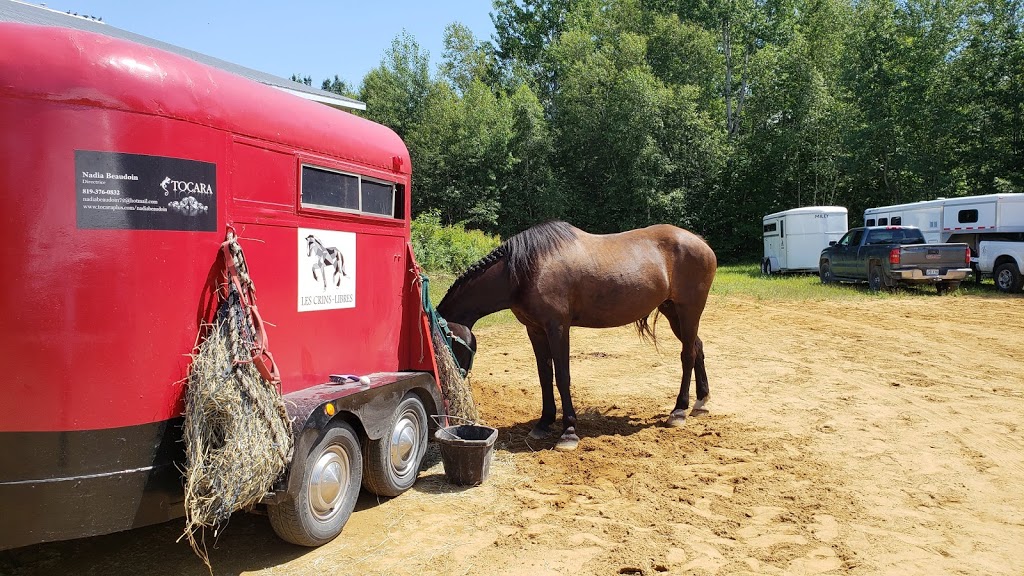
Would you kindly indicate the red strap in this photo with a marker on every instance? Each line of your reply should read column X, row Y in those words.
column 224, row 274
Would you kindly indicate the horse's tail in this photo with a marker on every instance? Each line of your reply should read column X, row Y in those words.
column 645, row 329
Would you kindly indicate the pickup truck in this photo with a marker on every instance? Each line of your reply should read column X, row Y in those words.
column 887, row 256
column 1004, row 260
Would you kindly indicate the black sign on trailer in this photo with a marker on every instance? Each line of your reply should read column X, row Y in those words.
column 116, row 191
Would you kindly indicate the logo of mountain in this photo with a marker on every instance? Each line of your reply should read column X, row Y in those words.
column 180, row 187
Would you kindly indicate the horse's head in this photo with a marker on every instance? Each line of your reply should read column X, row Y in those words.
column 310, row 240
column 466, row 349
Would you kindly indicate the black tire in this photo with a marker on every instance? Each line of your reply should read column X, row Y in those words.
column 766, row 267
column 331, row 475
column 825, row 272
column 947, row 287
column 875, row 281
column 1007, row 277
column 392, row 464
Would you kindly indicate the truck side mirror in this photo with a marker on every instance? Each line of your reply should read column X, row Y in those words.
column 831, row 242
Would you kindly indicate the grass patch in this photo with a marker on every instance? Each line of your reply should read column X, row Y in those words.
column 746, row 280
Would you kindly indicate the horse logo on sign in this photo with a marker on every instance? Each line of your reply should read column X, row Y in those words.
column 324, row 258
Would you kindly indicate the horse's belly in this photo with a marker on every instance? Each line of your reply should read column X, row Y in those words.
column 611, row 314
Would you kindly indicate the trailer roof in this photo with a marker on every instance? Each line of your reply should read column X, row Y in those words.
column 808, row 210
column 942, row 201
column 76, row 67
column 24, row 13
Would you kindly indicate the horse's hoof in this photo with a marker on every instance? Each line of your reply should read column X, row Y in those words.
column 567, row 443
column 539, row 433
column 677, row 419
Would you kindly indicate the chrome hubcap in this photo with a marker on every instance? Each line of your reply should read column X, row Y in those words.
column 1003, row 280
column 405, row 443
column 328, row 482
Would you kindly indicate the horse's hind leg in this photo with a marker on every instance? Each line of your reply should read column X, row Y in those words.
column 684, row 326
column 542, row 352
column 701, row 376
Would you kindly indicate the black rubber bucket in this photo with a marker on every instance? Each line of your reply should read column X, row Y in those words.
column 466, row 452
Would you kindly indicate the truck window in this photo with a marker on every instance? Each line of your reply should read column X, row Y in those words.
column 856, row 236
column 967, row 216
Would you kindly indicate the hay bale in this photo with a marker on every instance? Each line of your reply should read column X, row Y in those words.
column 237, row 434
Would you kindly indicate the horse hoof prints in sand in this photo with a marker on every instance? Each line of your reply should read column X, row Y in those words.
column 554, row 276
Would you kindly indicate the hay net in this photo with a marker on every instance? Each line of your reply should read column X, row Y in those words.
column 237, row 433
column 454, row 380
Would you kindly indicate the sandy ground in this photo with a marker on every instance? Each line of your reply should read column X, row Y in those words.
column 856, row 437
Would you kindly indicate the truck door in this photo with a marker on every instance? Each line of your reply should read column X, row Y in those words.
column 846, row 251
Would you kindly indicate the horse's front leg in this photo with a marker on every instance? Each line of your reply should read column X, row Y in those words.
column 558, row 339
column 542, row 352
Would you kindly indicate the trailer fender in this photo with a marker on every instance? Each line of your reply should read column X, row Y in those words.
column 367, row 409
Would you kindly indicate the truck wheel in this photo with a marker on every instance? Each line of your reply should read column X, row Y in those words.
column 1007, row 277
column 825, row 272
column 947, row 287
column 331, row 476
column 875, row 282
column 392, row 463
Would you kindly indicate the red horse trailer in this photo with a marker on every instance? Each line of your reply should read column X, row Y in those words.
column 121, row 168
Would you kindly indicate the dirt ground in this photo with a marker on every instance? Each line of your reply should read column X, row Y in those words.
column 857, row 437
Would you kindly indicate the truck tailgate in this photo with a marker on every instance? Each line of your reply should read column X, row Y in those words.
column 934, row 256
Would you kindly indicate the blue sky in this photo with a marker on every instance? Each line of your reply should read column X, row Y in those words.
column 314, row 38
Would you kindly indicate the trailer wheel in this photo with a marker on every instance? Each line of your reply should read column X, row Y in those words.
column 825, row 272
column 331, row 476
column 1007, row 277
column 392, row 463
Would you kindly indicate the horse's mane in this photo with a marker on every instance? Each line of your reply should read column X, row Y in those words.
column 521, row 252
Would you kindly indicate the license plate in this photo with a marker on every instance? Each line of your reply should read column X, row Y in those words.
column 931, row 272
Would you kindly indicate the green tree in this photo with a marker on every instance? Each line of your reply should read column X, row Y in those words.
column 395, row 92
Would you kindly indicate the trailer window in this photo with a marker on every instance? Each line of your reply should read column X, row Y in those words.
column 769, row 228
column 869, row 222
column 967, row 216
column 897, row 220
column 327, row 189
column 883, row 221
column 324, row 188
column 378, row 197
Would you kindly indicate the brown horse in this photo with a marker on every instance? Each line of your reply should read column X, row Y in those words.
column 554, row 276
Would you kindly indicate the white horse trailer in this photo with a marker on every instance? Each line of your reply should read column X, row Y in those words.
column 794, row 239
column 955, row 219
column 991, row 224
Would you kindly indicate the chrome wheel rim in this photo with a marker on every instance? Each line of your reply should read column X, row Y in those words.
column 328, row 482
column 406, row 443
column 1003, row 279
